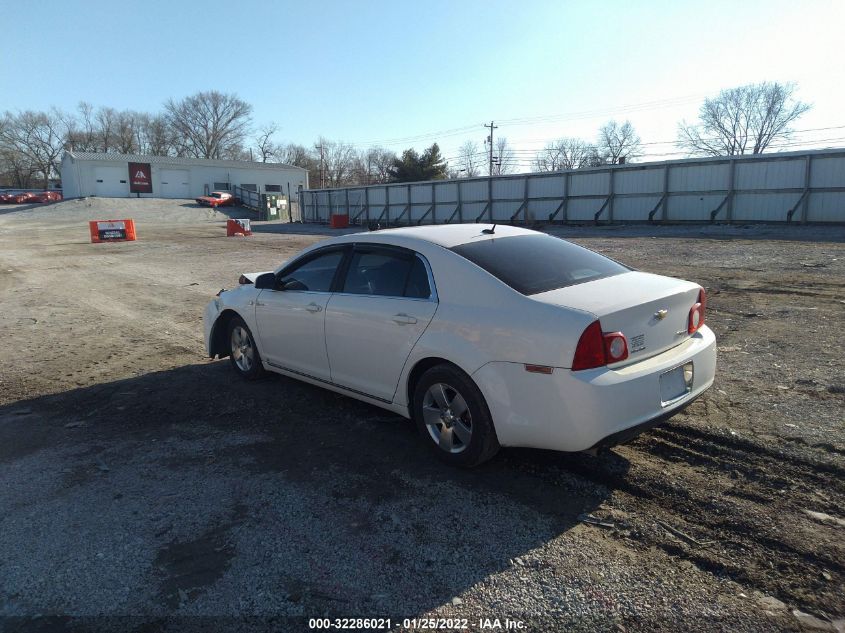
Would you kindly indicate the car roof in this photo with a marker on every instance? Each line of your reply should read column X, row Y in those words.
column 446, row 235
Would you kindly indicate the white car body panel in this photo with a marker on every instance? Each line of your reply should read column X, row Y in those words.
column 301, row 344
column 369, row 338
column 574, row 411
column 489, row 330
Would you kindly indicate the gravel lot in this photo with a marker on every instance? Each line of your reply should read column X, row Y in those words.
column 143, row 484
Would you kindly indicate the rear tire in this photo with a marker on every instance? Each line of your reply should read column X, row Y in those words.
column 243, row 352
column 452, row 417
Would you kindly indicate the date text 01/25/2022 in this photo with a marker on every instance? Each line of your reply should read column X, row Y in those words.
column 442, row 624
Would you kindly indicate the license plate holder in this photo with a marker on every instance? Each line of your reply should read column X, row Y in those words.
column 673, row 387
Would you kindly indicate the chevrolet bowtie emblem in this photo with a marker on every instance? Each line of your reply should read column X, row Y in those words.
column 661, row 314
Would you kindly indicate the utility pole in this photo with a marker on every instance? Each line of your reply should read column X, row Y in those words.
column 490, row 140
column 322, row 172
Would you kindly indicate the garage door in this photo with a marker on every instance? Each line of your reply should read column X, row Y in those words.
column 175, row 183
column 111, row 182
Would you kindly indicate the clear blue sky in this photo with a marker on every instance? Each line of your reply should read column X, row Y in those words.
column 394, row 73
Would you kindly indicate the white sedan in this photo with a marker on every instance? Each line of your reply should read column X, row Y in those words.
column 484, row 336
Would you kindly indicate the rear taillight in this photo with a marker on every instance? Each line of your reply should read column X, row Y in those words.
column 615, row 347
column 590, row 350
column 696, row 313
column 596, row 349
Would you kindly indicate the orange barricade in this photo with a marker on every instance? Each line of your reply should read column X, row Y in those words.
column 112, row 231
column 238, row 227
column 339, row 221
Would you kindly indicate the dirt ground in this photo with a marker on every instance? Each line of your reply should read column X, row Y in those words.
column 143, row 483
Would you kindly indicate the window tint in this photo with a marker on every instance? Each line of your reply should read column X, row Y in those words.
column 315, row 275
column 377, row 273
column 417, row 286
column 531, row 264
column 387, row 273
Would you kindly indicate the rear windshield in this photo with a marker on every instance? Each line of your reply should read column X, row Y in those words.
column 531, row 264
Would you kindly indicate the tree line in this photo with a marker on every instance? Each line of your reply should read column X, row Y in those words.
column 211, row 124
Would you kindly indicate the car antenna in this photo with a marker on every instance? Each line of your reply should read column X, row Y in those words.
column 489, row 231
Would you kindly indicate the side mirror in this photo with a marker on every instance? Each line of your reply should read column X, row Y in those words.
column 267, row 281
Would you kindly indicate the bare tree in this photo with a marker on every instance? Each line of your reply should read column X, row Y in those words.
column 82, row 130
column 267, row 148
column 565, row 153
column 154, row 136
column 504, row 158
column 618, row 143
column 743, row 120
column 300, row 156
column 338, row 162
column 126, row 132
column 35, row 140
column 373, row 166
column 296, row 155
column 209, row 124
column 106, row 121
column 470, row 160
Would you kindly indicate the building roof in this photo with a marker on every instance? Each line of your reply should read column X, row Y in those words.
column 172, row 160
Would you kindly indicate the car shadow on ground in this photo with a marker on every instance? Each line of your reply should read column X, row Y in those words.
column 195, row 492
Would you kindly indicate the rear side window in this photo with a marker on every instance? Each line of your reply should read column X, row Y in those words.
column 532, row 264
column 386, row 273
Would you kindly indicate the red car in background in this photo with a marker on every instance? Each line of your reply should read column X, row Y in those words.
column 21, row 197
column 29, row 197
column 217, row 199
column 48, row 196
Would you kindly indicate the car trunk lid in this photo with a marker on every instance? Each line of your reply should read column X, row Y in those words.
column 652, row 311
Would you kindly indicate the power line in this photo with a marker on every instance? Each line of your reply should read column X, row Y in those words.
column 646, row 105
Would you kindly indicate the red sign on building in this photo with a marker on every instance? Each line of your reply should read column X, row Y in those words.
column 140, row 178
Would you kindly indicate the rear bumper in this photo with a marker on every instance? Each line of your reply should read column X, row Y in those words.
column 626, row 435
column 575, row 411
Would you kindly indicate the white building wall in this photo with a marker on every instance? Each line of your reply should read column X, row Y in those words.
column 79, row 178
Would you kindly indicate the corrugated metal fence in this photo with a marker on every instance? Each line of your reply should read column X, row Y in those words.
column 783, row 187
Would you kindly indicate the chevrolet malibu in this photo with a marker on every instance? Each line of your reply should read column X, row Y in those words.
column 484, row 337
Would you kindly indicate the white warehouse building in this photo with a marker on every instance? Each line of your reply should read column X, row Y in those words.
column 126, row 175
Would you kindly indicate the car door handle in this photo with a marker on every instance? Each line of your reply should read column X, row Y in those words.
column 404, row 319
column 313, row 307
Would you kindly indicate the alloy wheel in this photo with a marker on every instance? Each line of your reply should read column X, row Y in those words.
column 447, row 418
column 243, row 351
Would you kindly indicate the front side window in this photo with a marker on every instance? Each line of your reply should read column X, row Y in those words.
column 387, row 274
column 532, row 264
column 314, row 275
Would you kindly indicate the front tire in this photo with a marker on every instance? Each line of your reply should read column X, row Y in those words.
column 243, row 352
column 452, row 417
